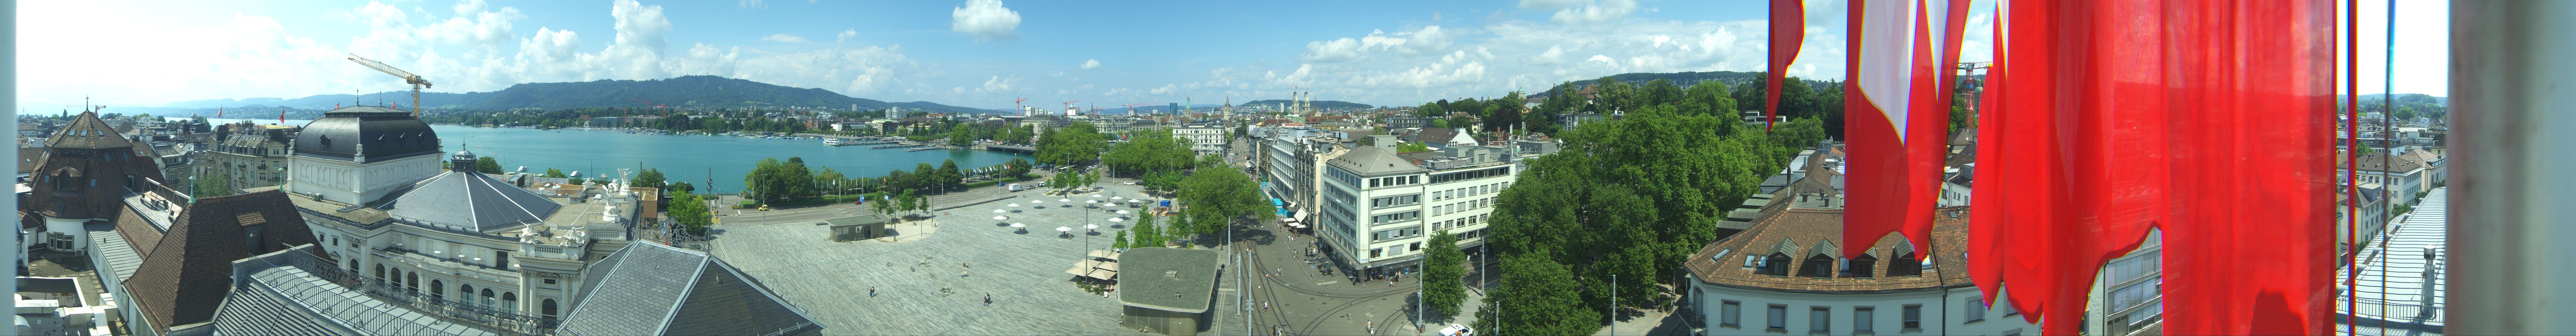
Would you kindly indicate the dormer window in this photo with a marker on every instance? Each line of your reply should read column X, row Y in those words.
column 1817, row 265
column 1861, row 267
column 1776, row 265
column 1905, row 264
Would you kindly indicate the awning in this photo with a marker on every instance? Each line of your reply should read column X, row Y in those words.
column 1104, row 254
column 1292, row 221
column 1103, row 274
column 1107, row 265
column 1079, row 270
column 1305, row 218
column 1295, row 225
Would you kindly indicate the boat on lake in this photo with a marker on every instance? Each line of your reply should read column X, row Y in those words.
column 838, row 142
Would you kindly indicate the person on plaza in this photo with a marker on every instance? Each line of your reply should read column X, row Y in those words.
column 872, row 291
column 988, row 299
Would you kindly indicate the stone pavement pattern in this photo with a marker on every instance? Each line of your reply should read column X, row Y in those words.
column 1023, row 271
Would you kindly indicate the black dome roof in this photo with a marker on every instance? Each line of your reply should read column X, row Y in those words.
column 387, row 133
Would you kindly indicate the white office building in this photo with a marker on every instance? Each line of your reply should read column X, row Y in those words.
column 1779, row 277
column 1377, row 209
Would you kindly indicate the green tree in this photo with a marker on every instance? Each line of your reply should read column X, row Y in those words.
column 1016, row 168
column 551, row 172
column 1146, row 235
column 910, row 201
column 487, row 164
column 1213, row 198
column 961, row 135
column 1121, row 242
column 1443, row 274
column 680, row 188
column 949, row 177
column 650, row 178
column 1075, row 143
column 691, row 213
column 1536, row 289
column 831, row 181
column 214, row 184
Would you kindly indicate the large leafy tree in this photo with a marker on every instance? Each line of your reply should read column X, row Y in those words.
column 1076, row 143
column 650, row 178
column 680, row 188
column 1149, row 152
column 691, row 213
column 1016, row 168
column 214, row 183
column 1444, row 273
column 949, row 177
column 1537, row 289
column 961, row 135
column 1213, row 198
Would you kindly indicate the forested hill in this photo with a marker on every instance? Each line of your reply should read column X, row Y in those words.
column 1321, row 104
column 702, row 90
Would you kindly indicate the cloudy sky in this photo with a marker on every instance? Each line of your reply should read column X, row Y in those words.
column 976, row 53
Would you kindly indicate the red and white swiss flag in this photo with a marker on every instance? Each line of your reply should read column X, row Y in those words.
column 1897, row 115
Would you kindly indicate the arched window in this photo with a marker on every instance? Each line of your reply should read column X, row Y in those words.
column 510, row 301
column 487, row 298
column 437, row 291
column 411, row 282
column 380, row 272
column 1817, row 265
column 1776, row 264
column 546, row 308
column 353, row 267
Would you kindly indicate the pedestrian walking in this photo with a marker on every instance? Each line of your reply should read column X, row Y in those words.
column 872, row 291
column 988, row 299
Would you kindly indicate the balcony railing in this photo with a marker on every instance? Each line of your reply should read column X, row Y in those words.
column 461, row 312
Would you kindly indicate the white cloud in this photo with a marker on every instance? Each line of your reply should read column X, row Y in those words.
column 846, row 35
column 786, row 38
column 1166, row 89
column 985, row 19
column 998, row 84
column 1420, row 40
column 1090, row 64
column 752, row 4
column 1595, row 12
column 1551, row 4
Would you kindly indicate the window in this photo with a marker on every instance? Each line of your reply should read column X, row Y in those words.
column 550, row 281
column 1817, row 265
column 1862, row 317
column 501, row 258
column 250, row 238
column 1913, row 316
column 1860, row 267
column 1820, row 319
column 2007, row 307
column 1776, row 265
column 1976, row 309
column 547, row 308
column 1726, row 313
column 1417, row 246
column 1779, row 317
column 1373, row 253
column 437, row 291
column 1905, row 264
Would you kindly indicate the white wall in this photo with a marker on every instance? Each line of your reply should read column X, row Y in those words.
column 1948, row 307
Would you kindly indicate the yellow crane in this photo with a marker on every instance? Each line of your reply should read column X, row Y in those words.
column 408, row 78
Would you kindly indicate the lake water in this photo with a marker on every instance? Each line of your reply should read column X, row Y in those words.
column 682, row 158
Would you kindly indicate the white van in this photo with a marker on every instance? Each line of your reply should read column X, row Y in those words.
column 1019, row 187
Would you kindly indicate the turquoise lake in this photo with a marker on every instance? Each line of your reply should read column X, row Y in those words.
column 682, row 158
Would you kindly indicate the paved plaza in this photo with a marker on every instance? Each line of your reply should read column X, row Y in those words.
column 1023, row 271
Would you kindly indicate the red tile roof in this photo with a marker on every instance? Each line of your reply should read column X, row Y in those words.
column 1804, row 228
column 185, row 276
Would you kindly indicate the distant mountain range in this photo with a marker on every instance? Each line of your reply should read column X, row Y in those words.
column 700, row 90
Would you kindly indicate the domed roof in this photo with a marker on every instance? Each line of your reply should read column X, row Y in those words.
column 377, row 132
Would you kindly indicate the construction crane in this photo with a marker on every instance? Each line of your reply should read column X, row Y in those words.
column 1131, row 108
column 408, row 78
column 1024, row 109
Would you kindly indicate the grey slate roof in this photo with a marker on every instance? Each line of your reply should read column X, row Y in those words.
column 1142, row 278
column 276, row 294
column 111, row 246
column 1371, row 161
column 651, row 289
column 471, row 201
column 387, row 133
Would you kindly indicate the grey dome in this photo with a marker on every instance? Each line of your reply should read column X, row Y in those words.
column 386, row 133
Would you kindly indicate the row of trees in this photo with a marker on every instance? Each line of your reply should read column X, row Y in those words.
column 1632, row 197
column 772, row 180
column 1076, row 143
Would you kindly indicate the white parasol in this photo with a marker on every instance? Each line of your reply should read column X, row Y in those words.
column 1117, row 197
column 1122, row 212
column 1037, row 201
column 1015, row 205
column 1001, row 217
column 1066, row 200
column 1091, row 226
column 1118, row 219
column 1000, row 211
column 1095, row 195
column 1063, row 229
column 1019, row 225
column 1135, row 201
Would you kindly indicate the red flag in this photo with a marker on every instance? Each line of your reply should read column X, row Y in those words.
column 219, row 111
column 2203, row 118
column 1898, row 116
column 1788, row 30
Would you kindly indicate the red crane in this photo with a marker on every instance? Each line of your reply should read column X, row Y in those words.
column 1023, row 108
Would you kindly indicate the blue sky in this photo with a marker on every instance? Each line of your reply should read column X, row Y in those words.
column 980, row 53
